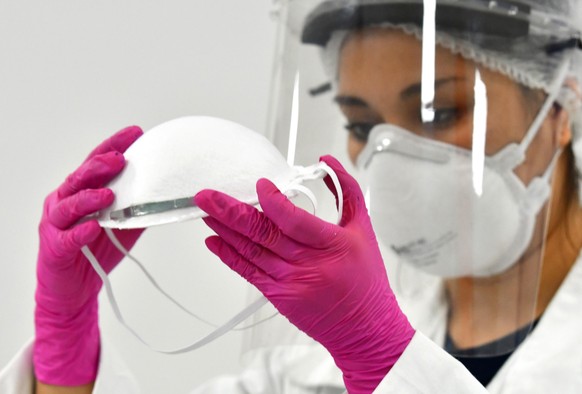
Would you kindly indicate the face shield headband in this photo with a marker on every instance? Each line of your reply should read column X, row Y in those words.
column 513, row 38
column 508, row 19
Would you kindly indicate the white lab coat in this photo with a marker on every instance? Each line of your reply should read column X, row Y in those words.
column 549, row 361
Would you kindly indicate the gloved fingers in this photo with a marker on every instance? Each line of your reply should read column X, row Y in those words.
column 92, row 174
column 296, row 223
column 118, row 142
column 264, row 259
column 74, row 239
column 238, row 263
column 69, row 210
column 246, row 220
column 353, row 197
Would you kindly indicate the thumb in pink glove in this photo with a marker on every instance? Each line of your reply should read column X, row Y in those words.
column 328, row 280
column 66, row 348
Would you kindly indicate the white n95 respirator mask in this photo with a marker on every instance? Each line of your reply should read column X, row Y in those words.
column 170, row 164
column 437, row 213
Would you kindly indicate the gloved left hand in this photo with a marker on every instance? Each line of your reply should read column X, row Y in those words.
column 67, row 343
column 328, row 280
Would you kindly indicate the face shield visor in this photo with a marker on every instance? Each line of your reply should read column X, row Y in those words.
column 452, row 117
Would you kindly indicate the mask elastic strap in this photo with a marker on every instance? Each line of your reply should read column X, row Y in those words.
column 218, row 332
column 338, row 189
column 122, row 249
column 319, row 171
column 111, row 235
column 294, row 188
column 550, row 170
column 556, row 89
column 539, row 188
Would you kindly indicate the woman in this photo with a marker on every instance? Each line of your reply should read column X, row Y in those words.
column 461, row 143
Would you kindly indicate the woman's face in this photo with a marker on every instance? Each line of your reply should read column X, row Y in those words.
column 380, row 82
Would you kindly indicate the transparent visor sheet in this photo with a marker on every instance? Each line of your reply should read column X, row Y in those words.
column 455, row 159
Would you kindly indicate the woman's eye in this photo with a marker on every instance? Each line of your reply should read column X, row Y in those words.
column 445, row 117
column 360, row 131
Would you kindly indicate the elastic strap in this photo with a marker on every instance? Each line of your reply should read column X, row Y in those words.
column 539, row 189
column 122, row 249
column 552, row 97
column 218, row 332
column 312, row 173
column 327, row 170
column 292, row 189
column 109, row 232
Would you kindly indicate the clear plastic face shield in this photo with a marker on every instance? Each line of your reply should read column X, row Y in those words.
column 453, row 126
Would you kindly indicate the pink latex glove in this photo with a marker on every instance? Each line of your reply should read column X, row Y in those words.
column 66, row 347
column 328, row 280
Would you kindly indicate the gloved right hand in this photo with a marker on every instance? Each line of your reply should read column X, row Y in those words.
column 66, row 347
column 328, row 280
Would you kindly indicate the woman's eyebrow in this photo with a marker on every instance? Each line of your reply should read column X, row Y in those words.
column 350, row 101
column 412, row 90
column 415, row 89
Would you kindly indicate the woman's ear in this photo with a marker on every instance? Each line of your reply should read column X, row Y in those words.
column 562, row 127
column 563, row 114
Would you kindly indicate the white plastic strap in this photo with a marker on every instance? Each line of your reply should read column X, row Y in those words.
column 327, row 170
column 218, row 332
column 318, row 171
column 154, row 283
column 551, row 99
column 122, row 249
column 290, row 191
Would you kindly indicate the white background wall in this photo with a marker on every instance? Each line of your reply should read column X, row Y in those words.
column 71, row 74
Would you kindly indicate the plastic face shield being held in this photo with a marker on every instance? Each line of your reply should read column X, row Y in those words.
column 452, row 112
column 175, row 160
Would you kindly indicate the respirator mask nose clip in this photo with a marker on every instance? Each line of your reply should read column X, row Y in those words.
column 151, row 208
